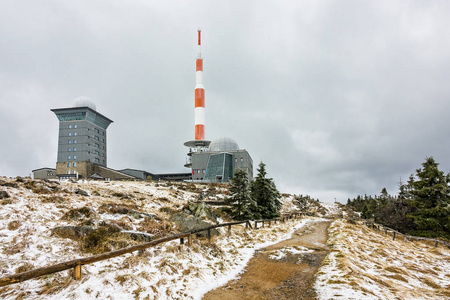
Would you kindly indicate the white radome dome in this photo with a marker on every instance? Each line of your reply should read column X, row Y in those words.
column 83, row 102
column 223, row 144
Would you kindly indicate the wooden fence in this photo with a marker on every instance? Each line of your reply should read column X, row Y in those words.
column 77, row 263
column 406, row 237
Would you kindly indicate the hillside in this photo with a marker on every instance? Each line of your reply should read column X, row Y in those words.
column 35, row 207
column 362, row 264
column 366, row 264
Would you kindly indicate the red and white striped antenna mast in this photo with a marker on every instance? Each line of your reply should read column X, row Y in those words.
column 199, row 142
column 199, row 94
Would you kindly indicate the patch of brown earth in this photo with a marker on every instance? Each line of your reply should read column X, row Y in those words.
column 289, row 277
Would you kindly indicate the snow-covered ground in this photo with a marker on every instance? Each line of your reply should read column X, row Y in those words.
column 366, row 264
column 362, row 264
column 169, row 271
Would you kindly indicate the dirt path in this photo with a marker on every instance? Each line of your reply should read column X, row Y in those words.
column 282, row 271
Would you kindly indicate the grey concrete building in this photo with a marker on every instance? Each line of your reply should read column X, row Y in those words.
column 218, row 161
column 81, row 140
column 45, row 173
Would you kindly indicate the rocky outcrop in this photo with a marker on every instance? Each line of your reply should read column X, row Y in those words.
column 72, row 232
column 195, row 216
column 4, row 194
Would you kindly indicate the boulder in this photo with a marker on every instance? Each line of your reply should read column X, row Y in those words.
column 4, row 194
column 72, row 232
column 186, row 222
column 201, row 210
column 139, row 236
column 81, row 192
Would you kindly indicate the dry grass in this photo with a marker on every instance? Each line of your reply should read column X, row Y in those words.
column 52, row 199
column 25, row 267
column 13, row 225
column 394, row 269
column 157, row 228
column 55, row 283
column 78, row 213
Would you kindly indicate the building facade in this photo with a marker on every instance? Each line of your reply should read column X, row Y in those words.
column 220, row 161
column 82, row 140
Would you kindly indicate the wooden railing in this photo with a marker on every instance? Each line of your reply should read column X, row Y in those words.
column 396, row 233
column 77, row 263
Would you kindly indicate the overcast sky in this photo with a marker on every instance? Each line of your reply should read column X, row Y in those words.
column 338, row 98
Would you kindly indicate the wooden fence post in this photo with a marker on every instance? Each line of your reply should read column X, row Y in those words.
column 436, row 243
column 77, row 272
column 269, row 223
column 209, row 234
column 395, row 233
column 229, row 230
column 256, row 224
column 406, row 239
column 190, row 240
column 181, row 241
column 141, row 252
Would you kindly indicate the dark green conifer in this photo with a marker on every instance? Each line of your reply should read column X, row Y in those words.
column 266, row 195
column 242, row 205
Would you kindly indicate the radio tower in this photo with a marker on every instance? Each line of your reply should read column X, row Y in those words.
column 199, row 143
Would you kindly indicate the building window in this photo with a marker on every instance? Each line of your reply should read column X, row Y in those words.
column 74, row 157
column 75, row 134
column 70, row 126
column 235, row 160
column 74, row 141
column 70, row 133
column 70, row 141
column 74, row 172
column 74, row 149
column 74, row 164
column 70, row 149
column 68, row 165
column 68, row 172
column 75, row 126
column 203, row 171
column 96, row 138
column 69, row 157
column 96, row 152
column 97, row 160
column 103, row 133
column 242, row 159
column 96, row 130
column 96, row 145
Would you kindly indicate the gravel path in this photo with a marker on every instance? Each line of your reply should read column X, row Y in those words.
column 282, row 271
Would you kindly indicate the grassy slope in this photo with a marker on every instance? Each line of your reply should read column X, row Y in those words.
column 366, row 264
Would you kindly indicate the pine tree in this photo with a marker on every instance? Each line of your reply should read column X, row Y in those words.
column 242, row 204
column 266, row 195
column 430, row 200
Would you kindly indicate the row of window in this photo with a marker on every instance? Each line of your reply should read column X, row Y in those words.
column 74, row 172
column 201, row 171
column 74, row 149
column 74, row 164
column 236, row 159
column 74, row 134
column 76, row 126
column 74, row 141
column 70, row 157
